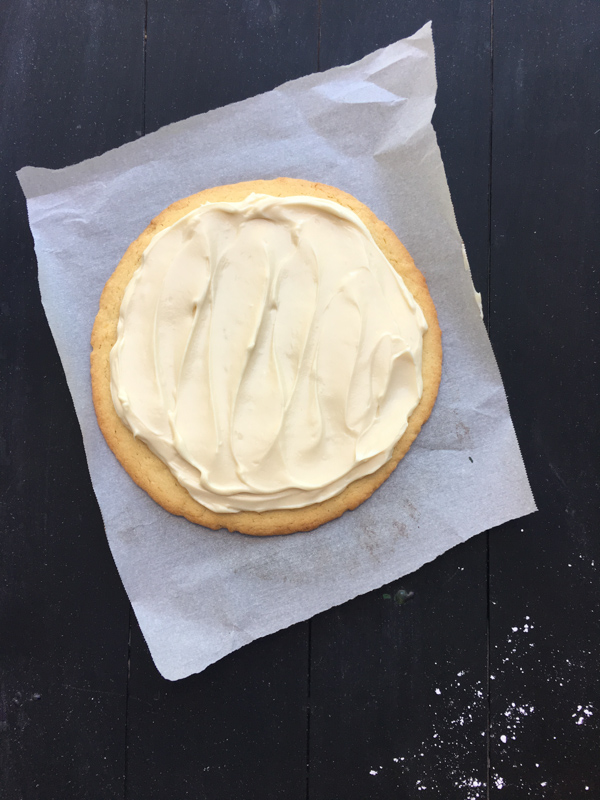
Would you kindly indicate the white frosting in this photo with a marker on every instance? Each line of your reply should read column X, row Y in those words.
column 267, row 352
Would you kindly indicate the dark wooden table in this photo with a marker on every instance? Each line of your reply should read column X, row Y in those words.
column 482, row 684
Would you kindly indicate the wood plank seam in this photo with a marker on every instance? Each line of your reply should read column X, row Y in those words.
column 487, row 324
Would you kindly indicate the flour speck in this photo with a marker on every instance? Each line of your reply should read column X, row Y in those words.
column 582, row 714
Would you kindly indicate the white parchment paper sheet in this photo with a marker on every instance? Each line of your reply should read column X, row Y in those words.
column 366, row 128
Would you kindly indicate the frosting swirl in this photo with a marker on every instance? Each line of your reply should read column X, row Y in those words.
column 267, row 352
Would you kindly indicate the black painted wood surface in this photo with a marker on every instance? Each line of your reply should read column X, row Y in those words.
column 544, row 327
column 70, row 87
column 477, row 675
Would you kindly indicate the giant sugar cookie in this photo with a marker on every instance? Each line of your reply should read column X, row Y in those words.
column 264, row 355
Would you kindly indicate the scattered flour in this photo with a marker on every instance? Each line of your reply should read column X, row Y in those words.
column 582, row 714
column 517, row 655
column 459, row 714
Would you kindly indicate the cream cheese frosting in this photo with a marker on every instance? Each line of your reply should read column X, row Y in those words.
column 267, row 352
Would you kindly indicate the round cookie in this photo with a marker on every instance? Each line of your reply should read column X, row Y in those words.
column 150, row 473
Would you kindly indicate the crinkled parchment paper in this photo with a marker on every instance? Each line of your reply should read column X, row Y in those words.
column 366, row 128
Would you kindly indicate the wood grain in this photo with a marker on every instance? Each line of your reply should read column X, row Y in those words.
column 71, row 78
column 544, row 591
